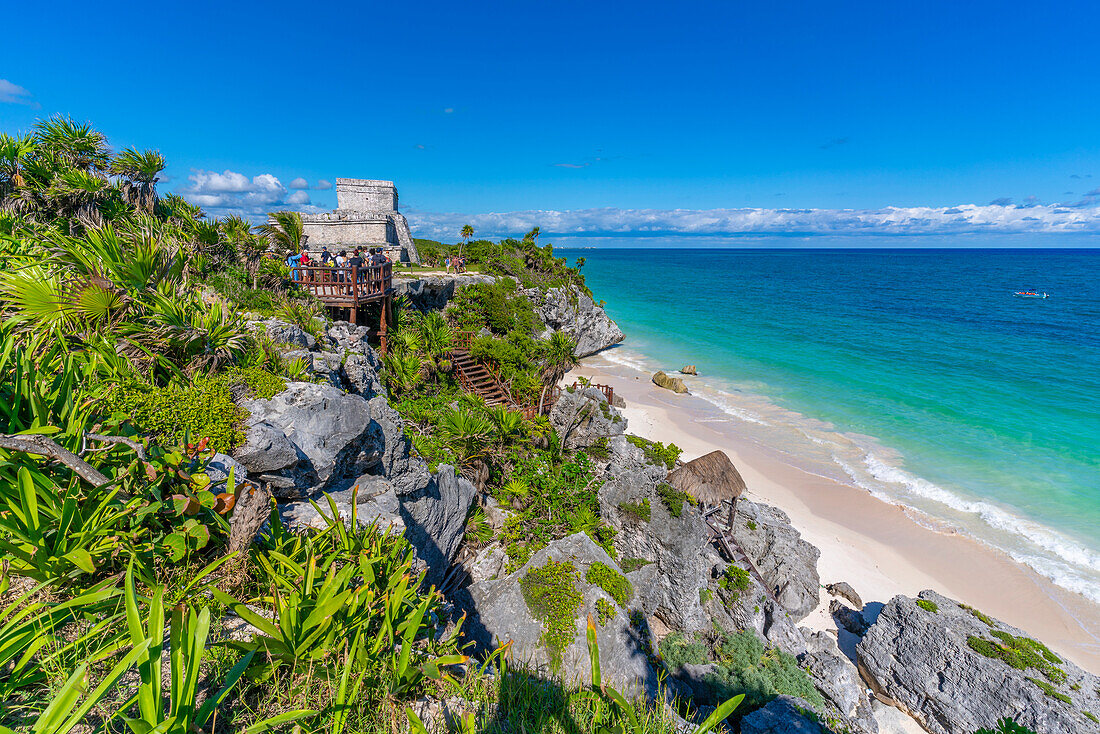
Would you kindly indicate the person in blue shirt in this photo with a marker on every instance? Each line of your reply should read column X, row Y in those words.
column 292, row 261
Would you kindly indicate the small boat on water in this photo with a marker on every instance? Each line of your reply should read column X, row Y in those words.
column 1030, row 294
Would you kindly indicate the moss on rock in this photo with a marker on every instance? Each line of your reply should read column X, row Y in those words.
column 611, row 581
column 552, row 596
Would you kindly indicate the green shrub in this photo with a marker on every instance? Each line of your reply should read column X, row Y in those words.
column 1006, row 726
column 928, row 606
column 495, row 306
column 633, row 564
column 611, row 581
column 735, row 580
column 552, row 596
column 752, row 525
column 204, row 408
column 673, row 499
column 746, row 666
column 636, row 511
column 1048, row 689
column 605, row 611
column 983, row 617
column 1091, row 717
column 600, row 450
column 705, row 595
column 678, row 650
column 1020, row 653
column 657, row 452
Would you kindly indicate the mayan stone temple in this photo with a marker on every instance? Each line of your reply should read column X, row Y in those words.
column 366, row 216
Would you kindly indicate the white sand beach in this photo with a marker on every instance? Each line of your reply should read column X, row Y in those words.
column 875, row 546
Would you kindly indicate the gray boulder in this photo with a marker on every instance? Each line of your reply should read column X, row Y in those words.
column 361, row 375
column 844, row 590
column 265, row 449
column 787, row 562
column 326, row 428
column 284, row 333
column 923, row 659
column 435, row 519
column 219, row 466
column 848, row 618
column 582, row 416
column 575, row 313
column 500, row 613
column 838, row 680
column 782, row 715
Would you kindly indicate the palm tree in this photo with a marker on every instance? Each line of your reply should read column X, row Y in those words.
column 14, row 153
column 558, row 357
column 237, row 232
column 285, row 233
column 466, row 233
column 141, row 171
column 75, row 145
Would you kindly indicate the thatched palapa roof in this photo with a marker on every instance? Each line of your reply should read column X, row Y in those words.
column 711, row 478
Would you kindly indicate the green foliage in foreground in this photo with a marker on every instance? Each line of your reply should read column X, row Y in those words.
column 637, row 511
column 203, row 408
column 657, row 452
column 495, row 306
column 552, row 596
column 611, row 581
column 928, row 606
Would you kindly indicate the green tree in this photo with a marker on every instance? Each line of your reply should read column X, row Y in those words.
column 465, row 233
column 559, row 355
column 285, row 233
column 140, row 172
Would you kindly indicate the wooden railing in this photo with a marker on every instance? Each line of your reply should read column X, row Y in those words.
column 345, row 286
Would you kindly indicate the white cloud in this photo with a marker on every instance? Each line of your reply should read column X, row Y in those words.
column 448, row 110
column 891, row 220
column 323, row 185
column 299, row 183
column 230, row 192
column 12, row 93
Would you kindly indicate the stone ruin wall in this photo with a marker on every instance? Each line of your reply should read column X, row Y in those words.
column 366, row 195
column 366, row 216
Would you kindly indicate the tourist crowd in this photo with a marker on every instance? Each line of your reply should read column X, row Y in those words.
column 363, row 260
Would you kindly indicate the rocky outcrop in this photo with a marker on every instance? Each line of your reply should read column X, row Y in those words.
column 568, row 309
column 945, row 666
column 844, row 590
column 838, row 681
column 434, row 292
column 435, row 518
column 500, row 613
column 679, row 559
column 675, row 384
column 787, row 562
column 323, row 437
column 283, row 333
column 783, row 715
column 689, row 370
column 582, row 416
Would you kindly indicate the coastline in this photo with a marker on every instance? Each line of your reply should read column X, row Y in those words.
column 874, row 545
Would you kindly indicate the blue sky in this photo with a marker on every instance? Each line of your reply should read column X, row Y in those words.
column 594, row 119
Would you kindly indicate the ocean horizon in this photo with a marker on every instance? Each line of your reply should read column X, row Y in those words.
column 913, row 374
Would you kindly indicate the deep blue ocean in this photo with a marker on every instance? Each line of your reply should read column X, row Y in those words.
column 917, row 373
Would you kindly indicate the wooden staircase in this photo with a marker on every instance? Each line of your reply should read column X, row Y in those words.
column 721, row 533
column 477, row 379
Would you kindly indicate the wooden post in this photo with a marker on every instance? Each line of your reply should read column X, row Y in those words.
column 383, row 323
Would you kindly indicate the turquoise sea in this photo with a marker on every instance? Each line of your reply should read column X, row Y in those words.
column 914, row 374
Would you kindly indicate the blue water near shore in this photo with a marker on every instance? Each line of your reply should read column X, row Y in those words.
column 914, row 374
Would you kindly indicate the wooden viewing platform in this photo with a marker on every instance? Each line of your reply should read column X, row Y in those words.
column 349, row 288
